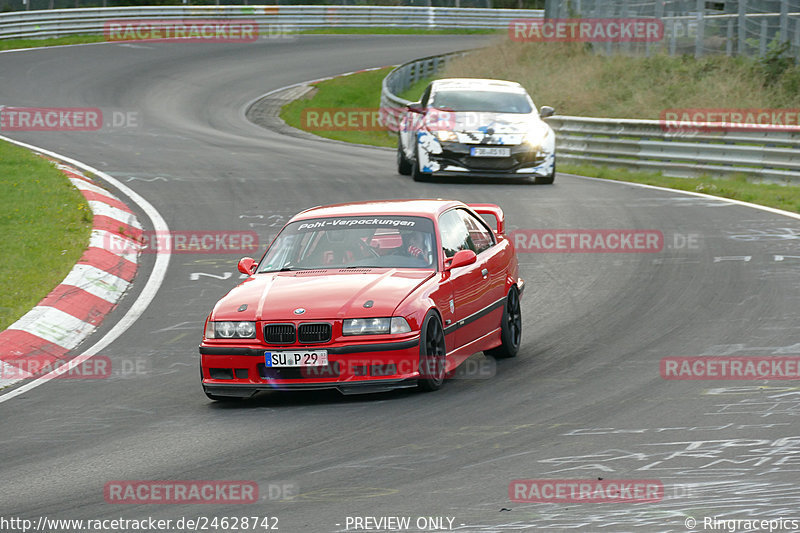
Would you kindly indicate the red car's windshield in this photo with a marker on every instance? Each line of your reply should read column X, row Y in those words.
column 340, row 242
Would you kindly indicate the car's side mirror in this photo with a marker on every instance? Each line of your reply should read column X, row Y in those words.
column 247, row 265
column 546, row 111
column 416, row 107
column 462, row 258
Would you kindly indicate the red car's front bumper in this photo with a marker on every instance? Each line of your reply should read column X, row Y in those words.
column 240, row 370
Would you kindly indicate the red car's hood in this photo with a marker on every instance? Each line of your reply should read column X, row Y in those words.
column 324, row 294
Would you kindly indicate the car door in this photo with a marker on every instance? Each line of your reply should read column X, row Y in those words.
column 469, row 285
column 493, row 256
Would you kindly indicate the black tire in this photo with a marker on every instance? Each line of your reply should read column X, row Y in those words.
column 510, row 327
column 546, row 180
column 432, row 354
column 416, row 173
column 403, row 164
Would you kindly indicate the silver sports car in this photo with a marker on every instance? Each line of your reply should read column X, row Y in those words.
column 476, row 127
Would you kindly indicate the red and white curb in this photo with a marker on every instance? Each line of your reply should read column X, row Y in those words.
column 77, row 306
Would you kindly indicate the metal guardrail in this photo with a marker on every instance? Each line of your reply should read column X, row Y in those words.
column 90, row 21
column 403, row 77
column 646, row 145
column 639, row 144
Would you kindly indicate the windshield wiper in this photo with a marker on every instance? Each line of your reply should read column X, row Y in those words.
column 288, row 267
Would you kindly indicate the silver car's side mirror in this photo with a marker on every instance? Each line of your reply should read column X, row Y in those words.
column 546, row 111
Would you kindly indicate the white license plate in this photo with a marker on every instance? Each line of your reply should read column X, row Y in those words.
column 489, row 151
column 296, row 359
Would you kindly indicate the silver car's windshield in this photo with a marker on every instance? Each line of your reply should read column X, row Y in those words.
column 482, row 101
column 353, row 242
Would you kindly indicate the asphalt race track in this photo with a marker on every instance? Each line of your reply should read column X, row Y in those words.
column 583, row 400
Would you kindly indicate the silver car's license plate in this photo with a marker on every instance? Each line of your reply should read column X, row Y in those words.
column 489, row 151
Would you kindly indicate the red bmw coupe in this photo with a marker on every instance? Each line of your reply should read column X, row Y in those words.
column 367, row 297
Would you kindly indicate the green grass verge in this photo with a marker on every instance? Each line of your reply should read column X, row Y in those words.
column 356, row 91
column 362, row 90
column 737, row 187
column 398, row 31
column 13, row 44
column 44, row 228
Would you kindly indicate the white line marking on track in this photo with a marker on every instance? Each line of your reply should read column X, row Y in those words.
column 148, row 292
column 691, row 193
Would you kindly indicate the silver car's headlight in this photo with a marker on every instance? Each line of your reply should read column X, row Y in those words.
column 535, row 138
column 446, row 136
column 230, row 330
column 375, row 326
column 533, row 141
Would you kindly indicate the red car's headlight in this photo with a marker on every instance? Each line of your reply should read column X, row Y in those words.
column 375, row 326
column 230, row 330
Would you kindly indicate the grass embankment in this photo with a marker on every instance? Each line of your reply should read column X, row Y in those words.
column 354, row 92
column 577, row 82
column 398, row 31
column 14, row 44
column 44, row 227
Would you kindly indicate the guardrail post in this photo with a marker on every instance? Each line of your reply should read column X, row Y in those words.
column 673, row 39
column 784, row 21
column 700, row 37
column 729, row 39
column 797, row 41
column 550, row 6
column 625, row 46
column 742, row 44
column 659, row 14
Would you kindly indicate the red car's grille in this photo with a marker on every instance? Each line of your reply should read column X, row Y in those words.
column 311, row 333
column 279, row 333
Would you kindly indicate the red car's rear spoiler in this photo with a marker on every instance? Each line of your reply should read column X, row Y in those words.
column 495, row 211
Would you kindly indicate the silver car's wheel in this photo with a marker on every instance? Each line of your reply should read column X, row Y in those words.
column 547, row 180
column 416, row 173
column 403, row 164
